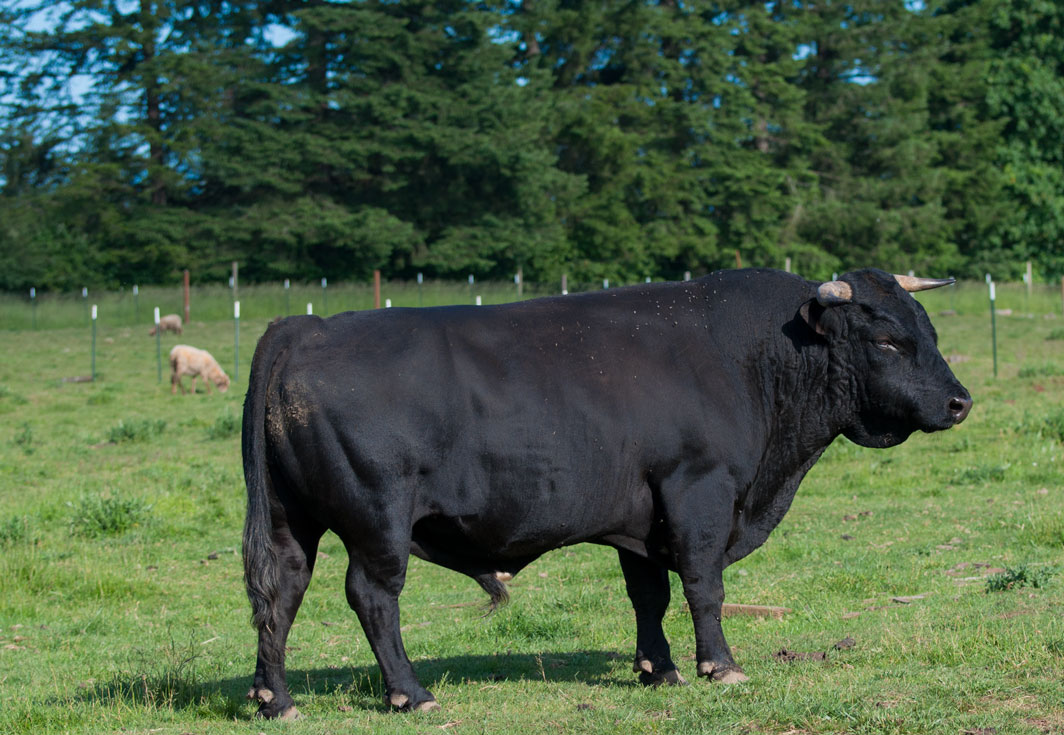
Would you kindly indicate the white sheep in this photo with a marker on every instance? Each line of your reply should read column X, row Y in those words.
column 185, row 360
column 168, row 323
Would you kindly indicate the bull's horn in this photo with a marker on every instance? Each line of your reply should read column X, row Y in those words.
column 834, row 292
column 911, row 283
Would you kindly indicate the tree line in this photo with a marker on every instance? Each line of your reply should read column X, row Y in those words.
column 309, row 138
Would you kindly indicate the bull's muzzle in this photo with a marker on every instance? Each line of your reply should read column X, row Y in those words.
column 958, row 407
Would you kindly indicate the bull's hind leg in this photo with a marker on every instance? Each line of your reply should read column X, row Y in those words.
column 295, row 549
column 648, row 588
column 373, row 587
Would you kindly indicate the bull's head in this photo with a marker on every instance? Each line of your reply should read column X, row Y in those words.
column 885, row 348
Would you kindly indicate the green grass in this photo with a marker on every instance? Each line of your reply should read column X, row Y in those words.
column 122, row 605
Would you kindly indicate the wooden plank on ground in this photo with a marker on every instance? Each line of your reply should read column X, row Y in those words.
column 757, row 611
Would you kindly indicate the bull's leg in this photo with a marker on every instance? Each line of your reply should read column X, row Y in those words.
column 704, row 588
column 373, row 592
column 648, row 588
column 296, row 551
column 700, row 524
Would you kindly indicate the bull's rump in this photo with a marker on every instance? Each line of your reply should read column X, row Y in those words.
column 519, row 428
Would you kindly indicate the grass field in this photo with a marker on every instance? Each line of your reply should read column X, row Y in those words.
column 122, row 607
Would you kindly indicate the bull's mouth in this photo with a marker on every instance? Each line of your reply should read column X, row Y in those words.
column 880, row 433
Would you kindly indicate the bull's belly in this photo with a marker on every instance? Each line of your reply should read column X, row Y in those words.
column 510, row 518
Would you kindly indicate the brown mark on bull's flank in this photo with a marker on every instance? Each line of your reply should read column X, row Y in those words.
column 298, row 413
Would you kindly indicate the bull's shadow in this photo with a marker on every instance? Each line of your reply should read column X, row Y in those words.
column 589, row 667
column 225, row 698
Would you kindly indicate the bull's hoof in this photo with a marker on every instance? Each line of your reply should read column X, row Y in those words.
column 731, row 676
column 291, row 714
column 403, row 703
column 656, row 679
column 272, row 708
column 649, row 677
column 723, row 674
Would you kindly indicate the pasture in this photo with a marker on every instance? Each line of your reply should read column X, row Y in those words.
column 122, row 606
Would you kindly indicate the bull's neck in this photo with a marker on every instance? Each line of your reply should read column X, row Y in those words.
column 810, row 396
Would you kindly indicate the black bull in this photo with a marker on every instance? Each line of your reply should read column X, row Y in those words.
column 671, row 421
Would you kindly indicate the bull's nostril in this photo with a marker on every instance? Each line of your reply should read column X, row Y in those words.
column 959, row 407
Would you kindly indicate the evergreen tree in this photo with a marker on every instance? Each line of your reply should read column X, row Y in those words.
column 1025, row 93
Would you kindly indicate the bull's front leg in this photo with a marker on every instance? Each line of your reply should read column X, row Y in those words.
column 700, row 520
column 703, row 587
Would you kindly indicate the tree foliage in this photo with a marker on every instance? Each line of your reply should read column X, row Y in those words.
column 309, row 138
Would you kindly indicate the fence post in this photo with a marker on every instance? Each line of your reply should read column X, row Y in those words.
column 236, row 339
column 186, row 295
column 993, row 327
column 33, row 301
column 158, row 347
column 377, row 289
column 94, row 343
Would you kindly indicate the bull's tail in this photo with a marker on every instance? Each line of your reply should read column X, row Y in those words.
column 261, row 568
column 496, row 590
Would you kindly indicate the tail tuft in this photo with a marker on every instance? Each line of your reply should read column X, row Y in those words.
column 496, row 590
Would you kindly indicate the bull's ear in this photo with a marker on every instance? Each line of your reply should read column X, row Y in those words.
column 824, row 320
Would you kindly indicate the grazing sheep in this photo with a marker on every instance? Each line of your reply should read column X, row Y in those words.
column 185, row 360
column 168, row 323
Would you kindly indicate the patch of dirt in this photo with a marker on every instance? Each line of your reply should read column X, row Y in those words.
column 845, row 644
column 1014, row 614
column 901, row 600
column 788, row 656
column 1046, row 726
column 968, row 571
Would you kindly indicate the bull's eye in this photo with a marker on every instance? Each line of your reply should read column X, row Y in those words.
column 886, row 344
